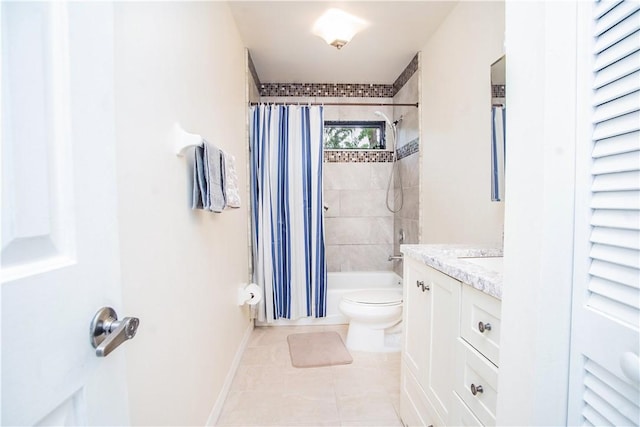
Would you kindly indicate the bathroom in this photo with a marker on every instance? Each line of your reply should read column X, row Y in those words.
column 144, row 67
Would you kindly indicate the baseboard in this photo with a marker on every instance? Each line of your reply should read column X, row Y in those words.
column 222, row 396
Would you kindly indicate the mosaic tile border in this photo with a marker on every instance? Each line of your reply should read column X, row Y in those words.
column 337, row 90
column 357, row 156
column 254, row 73
column 406, row 74
column 345, row 90
column 498, row 91
column 408, row 149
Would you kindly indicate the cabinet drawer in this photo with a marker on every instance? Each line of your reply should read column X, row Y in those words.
column 461, row 415
column 475, row 370
column 415, row 409
column 476, row 308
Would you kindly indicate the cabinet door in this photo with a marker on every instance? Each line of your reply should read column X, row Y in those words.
column 415, row 409
column 444, row 327
column 415, row 316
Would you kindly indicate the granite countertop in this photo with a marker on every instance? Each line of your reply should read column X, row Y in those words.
column 449, row 259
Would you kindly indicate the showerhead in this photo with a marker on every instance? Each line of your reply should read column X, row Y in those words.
column 392, row 125
column 384, row 116
column 387, row 119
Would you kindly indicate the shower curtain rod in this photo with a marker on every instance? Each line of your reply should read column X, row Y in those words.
column 335, row 104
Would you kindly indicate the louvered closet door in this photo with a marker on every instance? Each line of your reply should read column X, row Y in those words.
column 605, row 370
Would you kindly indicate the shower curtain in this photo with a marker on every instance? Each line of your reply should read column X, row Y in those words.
column 287, row 219
column 498, row 148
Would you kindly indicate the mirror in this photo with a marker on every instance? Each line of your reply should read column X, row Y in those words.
column 498, row 121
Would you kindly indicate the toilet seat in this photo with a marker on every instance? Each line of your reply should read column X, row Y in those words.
column 378, row 298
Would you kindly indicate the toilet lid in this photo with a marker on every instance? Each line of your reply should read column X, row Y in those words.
column 378, row 297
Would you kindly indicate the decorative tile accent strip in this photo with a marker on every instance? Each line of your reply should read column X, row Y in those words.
column 346, row 90
column 408, row 149
column 357, row 156
column 254, row 73
column 404, row 77
column 498, row 91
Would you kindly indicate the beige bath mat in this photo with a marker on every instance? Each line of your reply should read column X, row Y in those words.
column 314, row 349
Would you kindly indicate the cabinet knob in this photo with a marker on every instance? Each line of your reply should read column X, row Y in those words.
column 475, row 389
column 484, row 327
column 420, row 284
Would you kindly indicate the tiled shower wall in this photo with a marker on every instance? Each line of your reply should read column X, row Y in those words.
column 407, row 219
column 358, row 226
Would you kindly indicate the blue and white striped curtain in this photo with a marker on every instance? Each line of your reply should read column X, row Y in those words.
column 497, row 153
column 287, row 219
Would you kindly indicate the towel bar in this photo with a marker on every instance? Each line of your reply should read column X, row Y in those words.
column 183, row 139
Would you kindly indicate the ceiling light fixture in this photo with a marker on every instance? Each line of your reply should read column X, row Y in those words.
column 338, row 27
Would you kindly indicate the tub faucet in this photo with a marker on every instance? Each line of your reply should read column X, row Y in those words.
column 395, row 257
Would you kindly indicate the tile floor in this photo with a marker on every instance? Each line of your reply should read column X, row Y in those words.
column 268, row 391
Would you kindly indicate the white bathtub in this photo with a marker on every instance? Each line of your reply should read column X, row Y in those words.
column 337, row 285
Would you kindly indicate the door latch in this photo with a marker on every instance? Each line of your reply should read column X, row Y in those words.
column 107, row 332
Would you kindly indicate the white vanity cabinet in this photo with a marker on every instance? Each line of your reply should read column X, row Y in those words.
column 431, row 319
column 477, row 355
column 450, row 350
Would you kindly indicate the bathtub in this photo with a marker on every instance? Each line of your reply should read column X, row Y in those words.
column 338, row 284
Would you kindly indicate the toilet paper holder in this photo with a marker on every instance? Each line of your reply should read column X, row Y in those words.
column 250, row 294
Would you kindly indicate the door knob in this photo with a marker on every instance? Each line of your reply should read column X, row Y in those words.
column 630, row 365
column 107, row 332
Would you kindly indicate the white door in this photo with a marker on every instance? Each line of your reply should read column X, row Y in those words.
column 605, row 339
column 59, row 225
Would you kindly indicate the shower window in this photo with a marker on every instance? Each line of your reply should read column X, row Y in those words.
column 354, row 135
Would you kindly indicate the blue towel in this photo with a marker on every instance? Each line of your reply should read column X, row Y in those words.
column 208, row 178
column 199, row 183
column 214, row 174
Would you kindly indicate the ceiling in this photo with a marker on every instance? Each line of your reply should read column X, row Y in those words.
column 284, row 50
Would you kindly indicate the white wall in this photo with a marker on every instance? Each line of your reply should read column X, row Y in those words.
column 540, row 183
column 456, row 127
column 180, row 268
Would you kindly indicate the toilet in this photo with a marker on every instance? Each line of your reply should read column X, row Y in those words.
column 374, row 319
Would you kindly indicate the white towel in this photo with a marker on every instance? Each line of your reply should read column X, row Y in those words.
column 231, row 192
column 214, row 175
